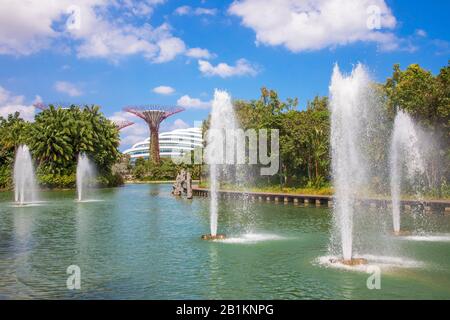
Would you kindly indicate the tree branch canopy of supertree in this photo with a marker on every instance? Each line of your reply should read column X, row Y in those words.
column 40, row 105
column 153, row 115
column 120, row 124
column 63, row 105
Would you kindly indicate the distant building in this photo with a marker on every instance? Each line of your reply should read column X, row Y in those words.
column 173, row 143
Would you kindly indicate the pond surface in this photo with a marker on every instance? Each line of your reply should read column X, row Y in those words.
column 140, row 242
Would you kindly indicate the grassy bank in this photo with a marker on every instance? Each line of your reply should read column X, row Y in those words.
column 325, row 191
column 277, row 189
column 152, row 181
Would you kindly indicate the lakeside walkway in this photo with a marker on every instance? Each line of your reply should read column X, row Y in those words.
column 430, row 206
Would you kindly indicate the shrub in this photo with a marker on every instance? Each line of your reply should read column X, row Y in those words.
column 5, row 177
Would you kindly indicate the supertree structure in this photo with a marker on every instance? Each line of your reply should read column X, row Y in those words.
column 63, row 105
column 153, row 115
column 40, row 105
column 120, row 124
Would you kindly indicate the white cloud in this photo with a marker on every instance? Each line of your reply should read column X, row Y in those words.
column 38, row 99
column 67, row 88
column 187, row 10
column 127, row 140
column 10, row 104
column 26, row 26
column 199, row 53
column 106, row 29
column 442, row 47
column 6, row 97
column 169, row 48
column 26, row 112
column 141, row 8
column 163, row 90
column 183, row 10
column 189, row 103
column 205, row 11
column 131, row 134
column 304, row 25
column 242, row 67
column 178, row 124
column 421, row 33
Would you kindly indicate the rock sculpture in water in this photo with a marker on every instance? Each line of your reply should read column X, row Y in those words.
column 183, row 184
column 188, row 185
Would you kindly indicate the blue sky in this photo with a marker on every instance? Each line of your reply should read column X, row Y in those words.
column 115, row 53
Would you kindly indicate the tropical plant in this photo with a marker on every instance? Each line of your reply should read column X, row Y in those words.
column 59, row 135
column 13, row 132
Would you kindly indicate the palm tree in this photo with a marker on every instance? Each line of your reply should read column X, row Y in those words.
column 60, row 134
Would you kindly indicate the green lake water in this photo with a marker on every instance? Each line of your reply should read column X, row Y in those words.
column 140, row 242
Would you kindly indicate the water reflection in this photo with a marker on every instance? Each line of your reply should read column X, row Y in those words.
column 141, row 242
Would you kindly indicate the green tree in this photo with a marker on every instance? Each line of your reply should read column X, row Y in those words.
column 304, row 143
column 427, row 99
column 59, row 135
column 13, row 132
column 304, row 135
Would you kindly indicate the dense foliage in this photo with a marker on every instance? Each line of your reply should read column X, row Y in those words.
column 305, row 132
column 304, row 136
column 145, row 170
column 56, row 138
column 13, row 132
column 427, row 99
column 58, row 135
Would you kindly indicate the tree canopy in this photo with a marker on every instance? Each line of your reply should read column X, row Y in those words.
column 56, row 138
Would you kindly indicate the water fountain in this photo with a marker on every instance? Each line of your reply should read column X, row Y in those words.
column 349, row 108
column 222, row 126
column 404, row 151
column 85, row 176
column 25, row 187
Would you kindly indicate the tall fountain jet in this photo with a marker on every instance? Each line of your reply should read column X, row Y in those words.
column 25, row 187
column 223, row 125
column 85, row 176
column 404, row 151
column 349, row 107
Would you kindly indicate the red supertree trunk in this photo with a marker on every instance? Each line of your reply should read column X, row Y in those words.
column 154, row 145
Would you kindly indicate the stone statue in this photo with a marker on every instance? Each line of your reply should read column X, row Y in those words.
column 188, row 185
column 183, row 184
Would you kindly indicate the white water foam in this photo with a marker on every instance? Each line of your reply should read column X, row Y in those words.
column 222, row 118
column 250, row 238
column 27, row 204
column 383, row 262
column 427, row 238
column 405, row 149
column 25, row 186
column 349, row 107
column 89, row 200
column 85, row 176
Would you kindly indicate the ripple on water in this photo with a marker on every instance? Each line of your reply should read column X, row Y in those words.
column 250, row 238
column 89, row 200
column 384, row 262
column 27, row 204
